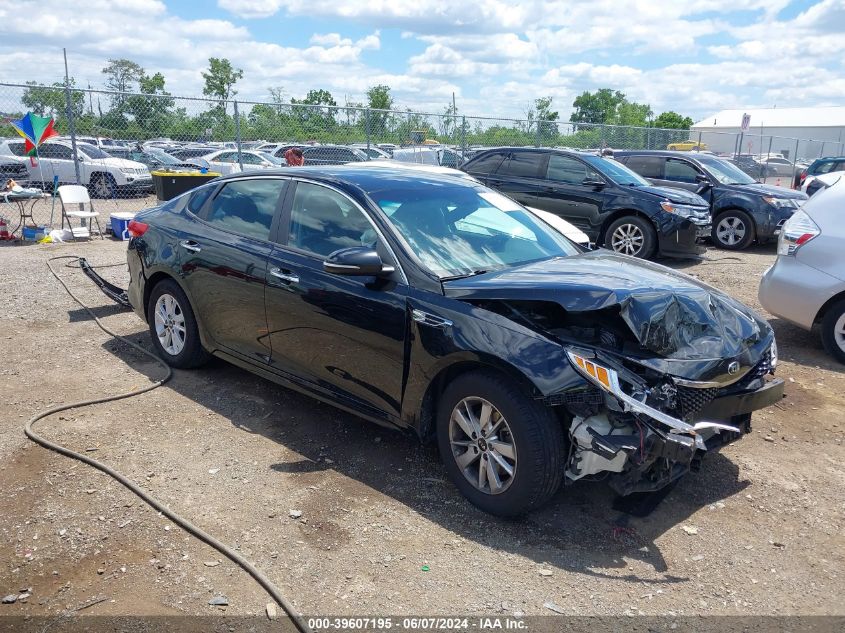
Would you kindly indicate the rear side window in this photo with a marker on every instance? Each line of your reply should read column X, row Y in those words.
column 16, row 149
column 486, row 164
column 246, row 206
column 522, row 165
column 198, row 199
column 825, row 167
column 646, row 166
column 680, row 171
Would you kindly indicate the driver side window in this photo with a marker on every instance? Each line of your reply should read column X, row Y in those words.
column 568, row 170
column 323, row 221
column 680, row 171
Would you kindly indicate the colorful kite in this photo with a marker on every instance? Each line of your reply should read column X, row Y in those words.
column 35, row 129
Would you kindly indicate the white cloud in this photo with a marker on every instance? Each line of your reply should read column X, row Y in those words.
column 251, row 9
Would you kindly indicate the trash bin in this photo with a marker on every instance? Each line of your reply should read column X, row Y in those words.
column 169, row 184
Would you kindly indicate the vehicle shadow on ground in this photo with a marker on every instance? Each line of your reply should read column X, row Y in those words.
column 799, row 346
column 718, row 256
column 578, row 531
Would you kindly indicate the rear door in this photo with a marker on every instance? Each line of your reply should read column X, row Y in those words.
column 681, row 174
column 224, row 263
column 486, row 166
column 565, row 195
column 58, row 161
column 342, row 336
column 519, row 176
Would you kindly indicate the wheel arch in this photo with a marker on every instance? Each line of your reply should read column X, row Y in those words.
column 426, row 410
column 827, row 305
column 621, row 213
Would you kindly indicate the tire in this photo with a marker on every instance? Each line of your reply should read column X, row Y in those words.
column 182, row 349
column 103, row 186
column 733, row 230
column 524, row 430
column 833, row 331
column 631, row 235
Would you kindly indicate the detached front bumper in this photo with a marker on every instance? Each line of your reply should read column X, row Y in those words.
column 680, row 237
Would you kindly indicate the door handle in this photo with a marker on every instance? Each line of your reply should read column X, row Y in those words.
column 284, row 276
column 190, row 245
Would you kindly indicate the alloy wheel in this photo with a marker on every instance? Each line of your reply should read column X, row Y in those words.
column 482, row 445
column 170, row 324
column 730, row 231
column 627, row 239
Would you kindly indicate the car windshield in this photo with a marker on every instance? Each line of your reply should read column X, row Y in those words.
column 616, row 171
column 458, row 230
column 725, row 172
column 163, row 157
column 91, row 152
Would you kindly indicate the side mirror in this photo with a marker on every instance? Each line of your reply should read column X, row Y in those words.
column 702, row 178
column 356, row 261
column 593, row 182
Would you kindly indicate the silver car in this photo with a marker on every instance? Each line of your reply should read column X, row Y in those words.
column 806, row 285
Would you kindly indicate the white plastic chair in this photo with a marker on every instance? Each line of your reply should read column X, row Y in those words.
column 76, row 203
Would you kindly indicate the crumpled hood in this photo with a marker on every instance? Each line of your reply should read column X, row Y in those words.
column 681, row 196
column 669, row 313
column 771, row 190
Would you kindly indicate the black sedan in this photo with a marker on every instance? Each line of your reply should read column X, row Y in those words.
column 431, row 303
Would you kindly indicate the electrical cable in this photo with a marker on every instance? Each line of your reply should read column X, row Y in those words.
column 186, row 525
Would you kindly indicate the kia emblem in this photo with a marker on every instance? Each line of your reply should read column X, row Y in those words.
column 733, row 368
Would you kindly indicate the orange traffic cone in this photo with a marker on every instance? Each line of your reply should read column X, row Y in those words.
column 4, row 230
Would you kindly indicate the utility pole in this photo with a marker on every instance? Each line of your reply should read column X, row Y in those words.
column 70, row 123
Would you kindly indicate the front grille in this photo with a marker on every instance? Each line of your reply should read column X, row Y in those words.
column 583, row 396
column 763, row 367
column 690, row 400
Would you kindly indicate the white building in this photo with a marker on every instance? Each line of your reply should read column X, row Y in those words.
column 812, row 132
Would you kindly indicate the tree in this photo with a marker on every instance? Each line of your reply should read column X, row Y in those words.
column 50, row 100
column 150, row 112
column 672, row 120
column 637, row 114
column 278, row 94
column 378, row 97
column 121, row 76
column 316, row 119
column 545, row 115
column 220, row 80
column 596, row 107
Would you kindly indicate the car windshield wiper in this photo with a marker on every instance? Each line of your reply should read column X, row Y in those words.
column 463, row 275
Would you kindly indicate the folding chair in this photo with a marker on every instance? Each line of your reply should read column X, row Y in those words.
column 77, row 204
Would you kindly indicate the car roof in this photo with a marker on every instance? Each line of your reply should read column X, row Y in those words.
column 361, row 176
column 661, row 152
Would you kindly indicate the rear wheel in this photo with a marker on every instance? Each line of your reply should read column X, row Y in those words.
column 833, row 331
column 631, row 235
column 173, row 327
column 733, row 230
column 501, row 449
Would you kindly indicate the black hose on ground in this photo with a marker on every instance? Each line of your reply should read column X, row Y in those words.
column 189, row 527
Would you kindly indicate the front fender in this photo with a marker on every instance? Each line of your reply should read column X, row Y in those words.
column 476, row 336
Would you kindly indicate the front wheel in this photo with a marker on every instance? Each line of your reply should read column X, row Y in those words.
column 833, row 331
column 173, row 327
column 503, row 450
column 631, row 235
column 733, row 230
column 103, row 186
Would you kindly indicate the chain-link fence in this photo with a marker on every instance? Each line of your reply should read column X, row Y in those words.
column 111, row 142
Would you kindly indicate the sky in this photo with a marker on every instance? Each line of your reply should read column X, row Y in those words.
column 695, row 57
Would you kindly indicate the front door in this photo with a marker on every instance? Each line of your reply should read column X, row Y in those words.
column 344, row 336
column 566, row 196
column 224, row 262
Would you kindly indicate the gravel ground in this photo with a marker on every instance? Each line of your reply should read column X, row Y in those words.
column 381, row 531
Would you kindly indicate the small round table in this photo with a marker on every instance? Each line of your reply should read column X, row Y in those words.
column 20, row 200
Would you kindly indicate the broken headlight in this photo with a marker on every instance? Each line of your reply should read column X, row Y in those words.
column 607, row 379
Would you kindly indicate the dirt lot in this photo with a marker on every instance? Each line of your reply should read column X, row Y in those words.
column 758, row 531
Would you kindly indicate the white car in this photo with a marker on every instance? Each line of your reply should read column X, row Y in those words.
column 104, row 175
column 226, row 161
column 569, row 230
column 814, row 184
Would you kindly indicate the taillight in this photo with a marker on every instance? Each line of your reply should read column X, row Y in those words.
column 797, row 231
column 803, row 177
column 137, row 229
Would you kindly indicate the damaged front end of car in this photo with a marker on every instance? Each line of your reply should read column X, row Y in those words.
column 671, row 368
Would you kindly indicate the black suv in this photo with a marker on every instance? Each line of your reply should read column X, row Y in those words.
column 614, row 206
column 742, row 209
